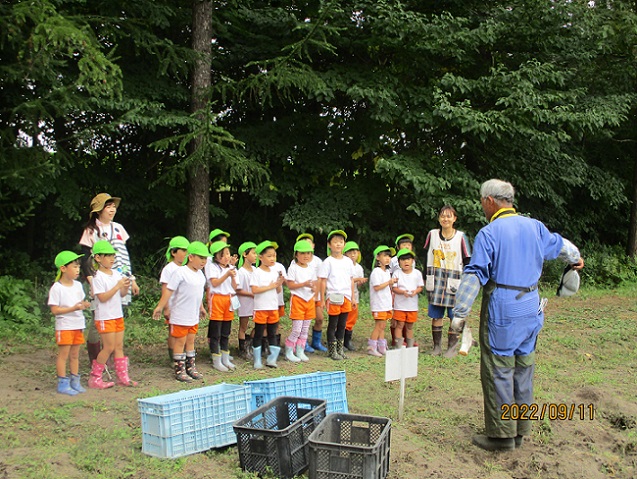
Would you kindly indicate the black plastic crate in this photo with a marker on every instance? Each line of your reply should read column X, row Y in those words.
column 274, row 438
column 349, row 446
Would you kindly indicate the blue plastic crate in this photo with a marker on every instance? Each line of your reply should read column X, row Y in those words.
column 196, row 420
column 329, row 386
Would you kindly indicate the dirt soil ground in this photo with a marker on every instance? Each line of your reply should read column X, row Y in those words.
column 443, row 409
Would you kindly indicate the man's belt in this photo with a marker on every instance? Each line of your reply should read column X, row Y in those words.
column 522, row 290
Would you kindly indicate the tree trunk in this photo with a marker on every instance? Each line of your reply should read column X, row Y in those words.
column 199, row 194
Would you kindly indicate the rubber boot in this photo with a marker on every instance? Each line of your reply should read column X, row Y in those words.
column 95, row 378
column 436, row 334
column 349, row 345
column 308, row 347
column 191, row 367
column 243, row 353
column 93, row 349
column 179, row 361
column 452, row 345
column 171, row 355
column 265, row 347
column 300, row 353
column 249, row 355
column 382, row 346
column 289, row 354
column 340, row 348
column 226, row 361
column 316, row 341
column 494, row 443
column 372, row 348
column 218, row 364
column 64, row 387
column 409, row 342
column 274, row 354
column 333, row 351
column 399, row 342
column 75, row 383
column 256, row 354
column 121, row 368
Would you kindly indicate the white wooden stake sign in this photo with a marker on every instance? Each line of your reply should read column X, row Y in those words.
column 401, row 363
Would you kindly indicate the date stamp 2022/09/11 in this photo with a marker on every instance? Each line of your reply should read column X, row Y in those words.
column 551, row 411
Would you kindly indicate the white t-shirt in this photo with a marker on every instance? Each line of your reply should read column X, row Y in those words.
column 215, row 271
column 279, row 267
column 165, row 275
column 358, row 273
column 66, row 296
column 339, row 274
column 268, row 300
column 379, row 300
column 299, row 274
column 111, row 309
column 243, row 284
column 407, row 282
column 188, row 288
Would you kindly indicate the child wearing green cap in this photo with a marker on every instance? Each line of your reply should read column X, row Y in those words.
column 109, row 287
column 380, row 299
column 409, row 284
column 314, row 343
column 403, row 241
column 302, row 282
column 66, row 300
column 184, row 291
column 247, row 260
column 265, row 283
column 337, row 292
column 175, row 255
column 222, row 292
column 352, row 251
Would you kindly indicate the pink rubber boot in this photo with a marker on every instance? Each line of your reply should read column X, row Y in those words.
column 121, row 369
column 95, row 378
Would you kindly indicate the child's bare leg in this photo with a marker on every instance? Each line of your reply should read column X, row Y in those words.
column 119, row 345
column 63, row 355
column 74, row 359
column 108, row 347
column 400, row 326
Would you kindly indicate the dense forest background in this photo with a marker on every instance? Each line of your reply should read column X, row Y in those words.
column 269, row 118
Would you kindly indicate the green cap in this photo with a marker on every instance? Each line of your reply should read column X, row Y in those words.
column 180, row 242
column 243, row 248
column 380, row 249
column 216, row 232
column 103, row 247
column 406, row 236
column 218, row 246
column 303, row 247
column 405, row 252
column 66, row 257
column 352, row 245
column 198, row 248
column 336, row 232
column 303, row 236
column 266, row 244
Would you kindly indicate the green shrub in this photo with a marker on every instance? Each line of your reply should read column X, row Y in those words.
column 18, row 302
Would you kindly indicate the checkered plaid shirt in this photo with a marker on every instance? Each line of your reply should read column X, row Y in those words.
column 466, row 295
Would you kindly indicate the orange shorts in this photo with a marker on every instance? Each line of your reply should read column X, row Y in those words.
column 301, row 309
column 266, row 317
column 178, row 331
column 406, row 316
column 382, row 315
column 281, row 311
column 352, row 317
column 69, row 337
column 110, row 325
column 220, row 308
column 335, row 310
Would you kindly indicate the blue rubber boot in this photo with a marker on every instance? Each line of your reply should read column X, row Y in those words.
column 308, row 347
column 256, row 353
column 64, row 387
column 316, row 341
column 75, row 383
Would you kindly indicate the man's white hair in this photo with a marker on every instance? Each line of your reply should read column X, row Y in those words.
column 501, row 191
